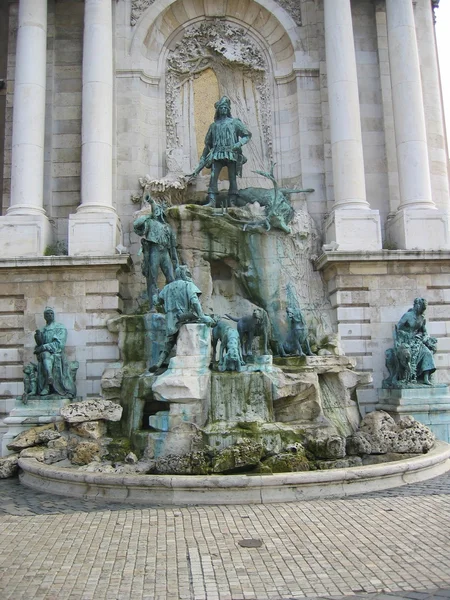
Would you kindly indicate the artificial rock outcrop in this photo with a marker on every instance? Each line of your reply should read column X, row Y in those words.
column 380, row 434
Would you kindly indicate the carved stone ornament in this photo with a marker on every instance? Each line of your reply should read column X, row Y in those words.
column 293, row 8
column 137, row 8
column 229, row 51
column 290, row 6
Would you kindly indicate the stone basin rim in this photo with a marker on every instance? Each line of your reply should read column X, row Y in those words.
column 234, row 489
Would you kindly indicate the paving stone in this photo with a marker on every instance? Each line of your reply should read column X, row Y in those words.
column 394, row 544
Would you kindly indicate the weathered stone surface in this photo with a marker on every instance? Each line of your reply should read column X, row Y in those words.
column 327, row 447
column 53, row 455
column 91, row 410
column 58, row 443
column 112, row 382
column 377, row 459
column 358, row 444
column 9, row 466
column 46, row 436
column 188, row 377
column 342, row 463
column 131, row 458
column 287, row 462
column 142, row 467
column 385, row 435
column 376, row 422
column 238, row 457
column 84, row 453
column 93, row 430
column 294, row 448
column 32, row 437
column 196, row 463
column 36, row 452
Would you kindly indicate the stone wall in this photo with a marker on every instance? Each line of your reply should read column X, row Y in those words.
column 298, row 89
column 370, row 292
column 84, row 293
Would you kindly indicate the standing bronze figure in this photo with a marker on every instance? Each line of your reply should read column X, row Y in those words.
column 223, row 148
column 158, row 247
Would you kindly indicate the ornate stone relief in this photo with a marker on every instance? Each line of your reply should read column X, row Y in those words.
column 293, row 8
column 137, row 8
column 238, row 64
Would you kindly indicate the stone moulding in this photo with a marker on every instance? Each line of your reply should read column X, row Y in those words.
column 293, row 8
column 290, row 6
column 169, row 490
column 137, row 8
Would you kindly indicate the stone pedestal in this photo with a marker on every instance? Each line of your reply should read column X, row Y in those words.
column 94, row 233
column 188, row 376
column 24, row 235
column 419, row 229
column 428, row 404
column 354, row 229
column 185, row 386
column 37, row 411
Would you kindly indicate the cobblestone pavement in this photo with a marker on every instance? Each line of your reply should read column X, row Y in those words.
column 387, row 544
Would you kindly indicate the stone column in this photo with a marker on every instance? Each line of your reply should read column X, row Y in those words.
column 25, row 229
column 432, row 98
column 95, row 228
column 351, row 224
column 417, row 224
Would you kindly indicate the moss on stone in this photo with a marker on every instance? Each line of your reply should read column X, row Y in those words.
column 239, row 457
column 287, row 463
column 117, row 449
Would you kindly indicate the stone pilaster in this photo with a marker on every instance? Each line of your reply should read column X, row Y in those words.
column 351, row 224
column 417, row 224
column 25, row 229
column 95, row 228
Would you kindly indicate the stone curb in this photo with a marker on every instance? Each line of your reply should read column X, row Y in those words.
column 234, row 489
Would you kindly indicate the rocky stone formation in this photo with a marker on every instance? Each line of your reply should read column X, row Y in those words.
column 93, row 430
column 83, row 453
column 34, row 437
column 379, row 434
column 326, row 447
column 9, row 466
column 91, row 410
column 286, row 462
column 239, row 457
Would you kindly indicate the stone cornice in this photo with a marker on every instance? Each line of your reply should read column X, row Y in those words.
column 292, row 7
column 46, row 262
column 328, row 258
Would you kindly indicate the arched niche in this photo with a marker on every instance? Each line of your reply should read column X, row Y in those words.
column 260, row 82
column 203, row 62
column 275, row 26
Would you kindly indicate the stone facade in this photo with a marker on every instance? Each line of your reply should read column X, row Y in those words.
column 85, row 295
column 370, row 292
column 127, row 124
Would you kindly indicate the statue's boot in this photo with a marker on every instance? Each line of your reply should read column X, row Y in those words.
column 211, row 200
column 232, row 198
column 45, row 391
column 426, row 379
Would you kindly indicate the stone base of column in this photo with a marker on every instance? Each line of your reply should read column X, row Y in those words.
column 354, row 229
column 94, row 233
column 419, row 229
column 24, row 235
